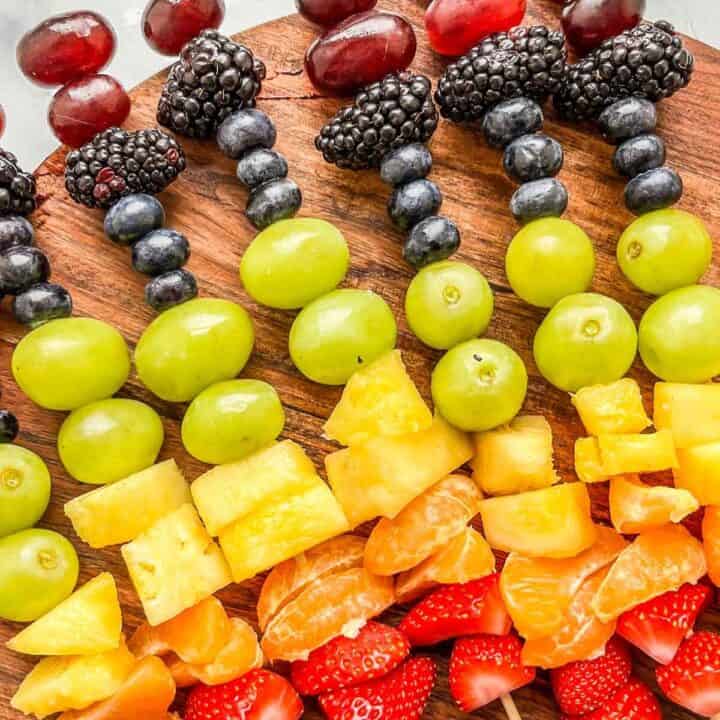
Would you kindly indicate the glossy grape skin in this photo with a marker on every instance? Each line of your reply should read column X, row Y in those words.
column 340, row 332
column 24, row 489
column 586, row 339
column 169, row 24
column 549, row 259
column 230, row 420
column 330, row 12
column 293, row 262
column 108, row 440
column 665, row 250
column 587, row 23
column 38, row 570
column 191, row 346
column 2, row 121
column 479, row 385
column 448, row 303
column 70, row 362
column 679, row 339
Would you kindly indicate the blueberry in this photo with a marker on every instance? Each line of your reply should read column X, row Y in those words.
column 9, row 426
column 260, row 166
column 413, row 202
column 132, row 217
column 407, row 163
column 245, row 130
column 160, row 251
column 432, row 239
column 627, row 118
column 21, row 267
column 546, row 197
column 41, row 303
column 532, row 157
column 653, row 190
column 510, row 120
column 638, row 155
column 170, row 288
column 273, row 201
column 15, row 230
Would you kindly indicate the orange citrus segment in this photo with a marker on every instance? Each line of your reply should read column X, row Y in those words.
column 711, row 542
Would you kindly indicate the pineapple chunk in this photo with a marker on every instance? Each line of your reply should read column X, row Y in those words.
column 622, row 454
column 699, row 472
column 515, row 458
column 379, row 399
column 57, row 684
column 615, row 408
column 228, row 493
column 380, row 477
column 281, row 530
column 692, row 412
column 174, row 565
column 86, row 623
column 118, row 513
column 551, row 523
column 588, row 463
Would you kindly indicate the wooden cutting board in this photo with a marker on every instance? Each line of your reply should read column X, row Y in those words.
column 207, row 205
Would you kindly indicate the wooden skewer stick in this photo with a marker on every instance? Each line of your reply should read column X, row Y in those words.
column 511, row 709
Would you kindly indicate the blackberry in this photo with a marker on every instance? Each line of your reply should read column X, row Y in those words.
column 648, row 61
column 386, row 115
column 523, row 62
column 214, row 77
column 117, row 163
column 17, row 188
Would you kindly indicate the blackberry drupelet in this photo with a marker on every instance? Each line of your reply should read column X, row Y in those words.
column 213, row 78
column 648, row 61
column 386, row 115
column 17, row 188
column 116, row 163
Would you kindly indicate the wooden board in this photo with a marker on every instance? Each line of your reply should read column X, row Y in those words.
column 207, row 204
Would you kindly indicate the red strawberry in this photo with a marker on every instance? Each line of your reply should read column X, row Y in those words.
column 582, row 687
column 658, row 626
column 692, row 679
column 344, row 662
column 486, row 667
column 401, row 695
column 259, row 695
column 474, row 608
column 632, row 701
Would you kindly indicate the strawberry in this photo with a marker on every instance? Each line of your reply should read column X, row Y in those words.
column 582, row 687
column 632, row 701
column 692, row 679
column 401, row 695
column 474, row 608
column 259, row 695
column 658, row 626
column 483, row 668
column 344, row 662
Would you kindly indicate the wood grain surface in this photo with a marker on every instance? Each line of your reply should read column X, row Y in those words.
column 207, row 205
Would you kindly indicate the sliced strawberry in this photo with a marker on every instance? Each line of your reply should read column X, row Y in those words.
column 692, row 679
column 401, row 695
column 633, row 701
column 483, row 668
column 474, row 608
column 659, row 626
column 343, row 662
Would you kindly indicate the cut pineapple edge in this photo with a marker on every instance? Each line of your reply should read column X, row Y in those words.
column 613, row 409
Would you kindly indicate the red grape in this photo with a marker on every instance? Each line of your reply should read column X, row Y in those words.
column 330, row 12
column 169, row 24
column 587, row 23
column 2, row 120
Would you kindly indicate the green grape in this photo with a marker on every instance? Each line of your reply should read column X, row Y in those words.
column 340, row 332
column 293, row 262
column 38, row 570
column 586, row 339
column 108, row 440
column 548, row 260
column 71, row 362
column 192, row 346
column 24, row 488
column 665, row 250
column 479, row 385
column 230, row 420
column 680, row 335
column 447, row 303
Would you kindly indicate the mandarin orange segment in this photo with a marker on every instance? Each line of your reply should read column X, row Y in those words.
column 711, row 542
column 338, row 605
column 615, row 408
column 691, row 412
column 699, row 472
column 642, row 453
column 658, row 561
column 424, row 527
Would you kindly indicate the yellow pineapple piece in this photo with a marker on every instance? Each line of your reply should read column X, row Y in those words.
column 379, row 399
column 552, row 523
column 86, row 623
column 588, row 463
column 282, row 530
column 699, row 472
column 615, row 408
column 118, row 513
column 380, row 477
column 692, row 412
column 622, row 454
column 174, row 565
column 515, row 458
column 74, row 682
